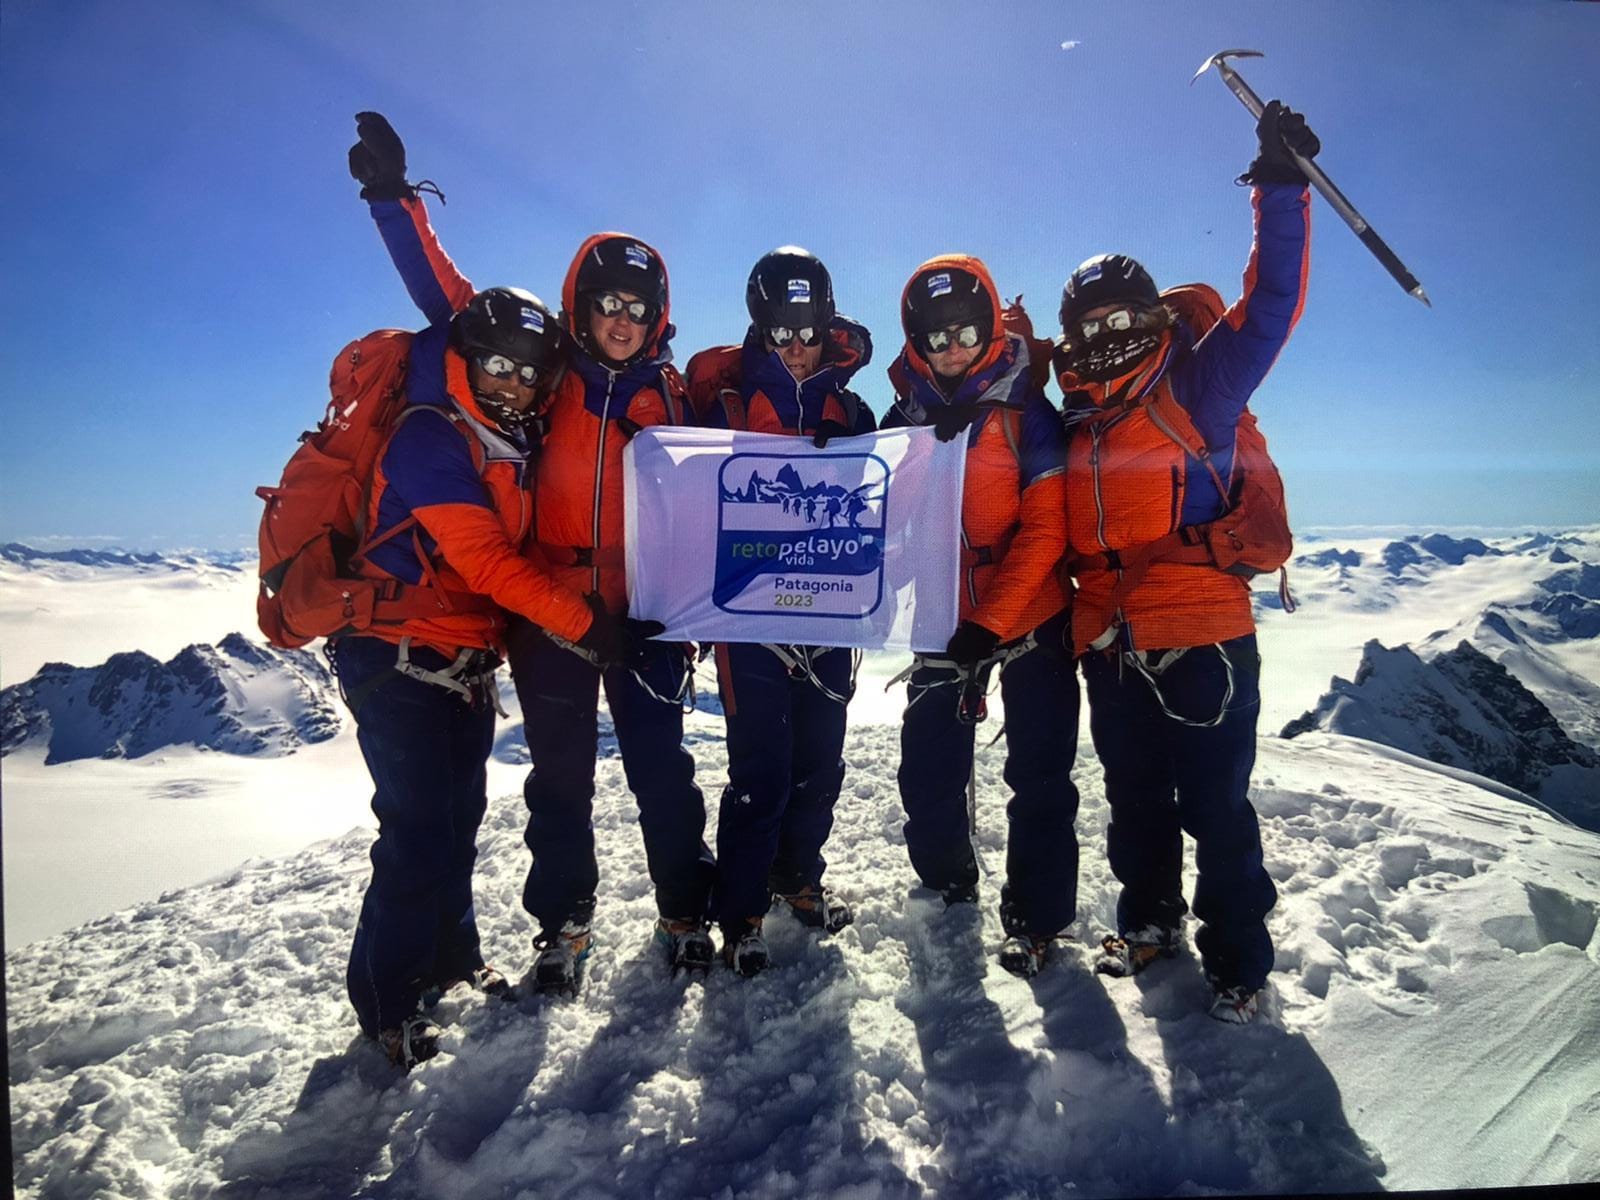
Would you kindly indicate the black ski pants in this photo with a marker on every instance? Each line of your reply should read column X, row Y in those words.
column 1040, row 691
column 425, row 748
column 1165, row 777
column 785, row 768
column 560, row 695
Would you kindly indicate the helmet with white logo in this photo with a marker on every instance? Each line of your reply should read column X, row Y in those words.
column 504, row 323
column 623, row 264
column 941, row 296
column 1107, row 279
column 511, row 322
column 789, row 288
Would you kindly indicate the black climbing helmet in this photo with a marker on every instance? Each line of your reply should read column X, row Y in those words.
column 1106, row 279
column 789, row 288
column 624, row 264
column 512, row 322
column 941, row 296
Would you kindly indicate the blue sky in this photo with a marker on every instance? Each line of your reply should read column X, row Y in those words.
column 185, row 251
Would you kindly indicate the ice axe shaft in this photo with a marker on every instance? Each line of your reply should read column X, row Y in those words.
column 1317, row 176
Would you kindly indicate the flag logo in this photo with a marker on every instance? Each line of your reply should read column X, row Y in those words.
column 801, row 533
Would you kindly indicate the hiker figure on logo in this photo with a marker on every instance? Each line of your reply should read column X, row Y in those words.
column 618, row 379
column 1172, row 506
column 785, row 705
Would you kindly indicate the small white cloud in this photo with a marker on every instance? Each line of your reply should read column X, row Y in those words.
column 1073, row 45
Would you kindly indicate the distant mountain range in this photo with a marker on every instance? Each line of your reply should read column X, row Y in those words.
column 16, row 552
column 237, row 697
column 1509, row 692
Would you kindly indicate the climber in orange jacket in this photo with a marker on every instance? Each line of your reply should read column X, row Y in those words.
column 1169, row 652
column 966, row 375
column 618, row 379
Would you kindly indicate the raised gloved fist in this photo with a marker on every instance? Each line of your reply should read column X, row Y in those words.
column 378, row 159
column 952, row 420
column 971, row 644
column 1281, row 131
column 828, row 429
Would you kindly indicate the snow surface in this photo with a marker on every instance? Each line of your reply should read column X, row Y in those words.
column 1434, row 1010
column 1436, row 1005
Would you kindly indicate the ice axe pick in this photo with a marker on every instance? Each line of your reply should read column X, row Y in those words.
column 1319, row 179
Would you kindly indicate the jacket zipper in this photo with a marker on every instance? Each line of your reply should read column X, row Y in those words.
column 1099, row 500
column 599, row 477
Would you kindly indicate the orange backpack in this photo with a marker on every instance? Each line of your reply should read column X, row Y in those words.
column 1252, row 537
column 312, row 532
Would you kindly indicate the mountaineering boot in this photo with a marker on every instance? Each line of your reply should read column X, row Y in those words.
column 746, row 953
column 491, row 983
column 1234, row 1005
column 484, row 979
column 959, row 893
column 1134, row 951
column 1023, row 955
column 817, row 907
column 559, row 967
column 687, row 944
column 415, row 1040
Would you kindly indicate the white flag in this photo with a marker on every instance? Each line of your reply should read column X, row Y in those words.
column 751, row 537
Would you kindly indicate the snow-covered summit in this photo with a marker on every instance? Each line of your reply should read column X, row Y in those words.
column 238, row 697
column 1462, row 709
column 1436, row 1001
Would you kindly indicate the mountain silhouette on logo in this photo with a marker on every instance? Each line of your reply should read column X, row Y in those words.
column 820, row 503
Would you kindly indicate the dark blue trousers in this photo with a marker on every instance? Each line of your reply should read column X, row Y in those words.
column 785, row 768
column 1165, row 778
column 560, row 695
column 1040, row 690
column 425, row 748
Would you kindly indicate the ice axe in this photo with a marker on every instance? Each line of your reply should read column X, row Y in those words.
column 1319, row 179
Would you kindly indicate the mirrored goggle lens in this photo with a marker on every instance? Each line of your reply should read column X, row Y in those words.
column 940, row 340
column 609, row 304
column 781, row 335
column 500, row 367
column 1120, row 321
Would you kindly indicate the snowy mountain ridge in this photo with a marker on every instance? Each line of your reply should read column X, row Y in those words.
column 238, row 697
column 27, row 556
column 1462, row 708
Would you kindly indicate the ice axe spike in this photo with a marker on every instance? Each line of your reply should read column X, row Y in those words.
column 1318, row 177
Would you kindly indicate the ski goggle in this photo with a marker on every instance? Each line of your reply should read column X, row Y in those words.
column 937, row 341
column 1121, row 320
column 498, row 366
column 781, row 335
column 609, row 304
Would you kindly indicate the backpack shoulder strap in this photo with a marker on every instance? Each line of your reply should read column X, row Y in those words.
column 674, row 395
column 851, row 404
column 1172, row 419
column 1011, row 426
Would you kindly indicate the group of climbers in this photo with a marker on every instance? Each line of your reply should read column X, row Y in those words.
column 505, row 491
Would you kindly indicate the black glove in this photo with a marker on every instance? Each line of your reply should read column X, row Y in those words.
column 1281, row 130
column 378, row 160
column 606, row 639
column 828, row 429
column 952, row 420
column 971, row 644
column 636, row 637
